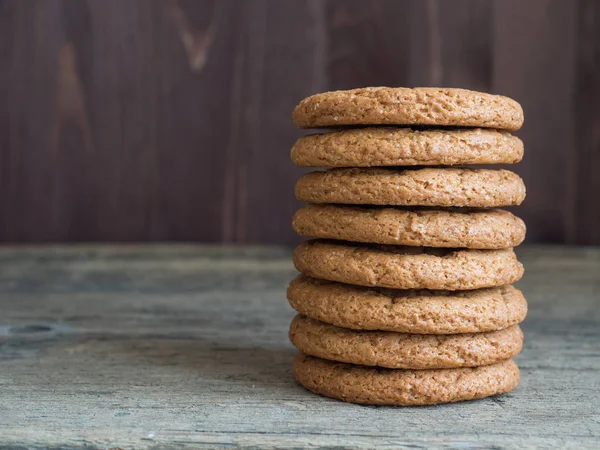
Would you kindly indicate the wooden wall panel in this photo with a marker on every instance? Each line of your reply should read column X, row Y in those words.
column 171, row 119
column 363, row 49
column 586, row 149
column 282, row 62
column 28, row 186
column 534, row 62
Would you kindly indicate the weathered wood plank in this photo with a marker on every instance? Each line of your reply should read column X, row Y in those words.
column 176, row 346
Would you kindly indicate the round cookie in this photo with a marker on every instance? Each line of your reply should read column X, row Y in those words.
column 407, row 267
column 420, row 187
column 397, row 387
column 372, row 147
column 403, row 350
column 407, row 311
column 482, row 228
column 406, row 106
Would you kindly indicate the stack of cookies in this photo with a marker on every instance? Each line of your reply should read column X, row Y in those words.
column 405, row 295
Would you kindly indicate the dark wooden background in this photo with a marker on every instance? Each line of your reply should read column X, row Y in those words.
column 171, row 120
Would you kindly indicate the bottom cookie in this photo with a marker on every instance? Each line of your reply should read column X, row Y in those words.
column 397, row 387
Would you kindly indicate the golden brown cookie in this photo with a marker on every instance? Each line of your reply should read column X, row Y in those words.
column 407, row 311
column 407, row 267
column 372, row 147
column 403, row 350
column 400, row 387
column 405, row 106
column 470, row 228
column 420, row 187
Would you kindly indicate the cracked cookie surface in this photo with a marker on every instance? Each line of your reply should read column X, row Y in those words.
column 402, row 267
column 467, row 228
column 388, row 146
column 403, row 350
column 408, row 106
column 407, row 311
column 413, row 187
column 400, row 387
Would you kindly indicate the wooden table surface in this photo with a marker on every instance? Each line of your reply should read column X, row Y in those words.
column 186, row 346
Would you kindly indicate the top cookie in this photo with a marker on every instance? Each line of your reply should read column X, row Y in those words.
column 388, row 146
column 405, row 106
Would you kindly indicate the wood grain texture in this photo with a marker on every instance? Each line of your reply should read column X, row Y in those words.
column 587, row 126
column 170, row 119
column 361, row 49
column 539, row 39
column 186, row 347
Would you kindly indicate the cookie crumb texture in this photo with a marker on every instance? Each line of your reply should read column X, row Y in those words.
column 407, row 267
column 372, row 147
column 407, row 311
column 398, row 387
column 406, row 106
column 421, row 187
column 403, row 350
column 479, row 228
